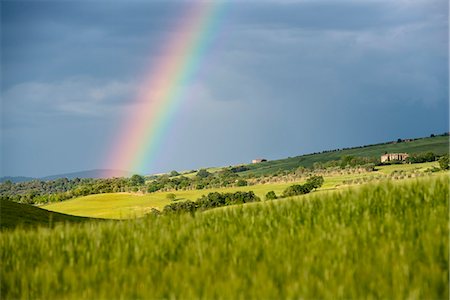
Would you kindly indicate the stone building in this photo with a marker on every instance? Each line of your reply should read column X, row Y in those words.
column 394, row 156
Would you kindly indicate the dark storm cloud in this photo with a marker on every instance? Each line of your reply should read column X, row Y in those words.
column 282, row 78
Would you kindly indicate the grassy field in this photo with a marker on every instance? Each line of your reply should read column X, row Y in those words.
column 126, row 205
column 14, row 214
column 439, row 145
column 387, row 240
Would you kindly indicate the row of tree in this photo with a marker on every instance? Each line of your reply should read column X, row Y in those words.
column 212, row 200
column 312, row 183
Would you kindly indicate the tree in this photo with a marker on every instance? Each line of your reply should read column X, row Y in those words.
column 136, row 180
column 203, row 173
column 271, row 195
column 174, row 173
column 315, row 182
column 171, row 197
column 444, row 162
column 241, row 182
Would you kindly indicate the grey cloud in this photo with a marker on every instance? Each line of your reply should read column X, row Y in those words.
column 282, row 78
column 72, row 97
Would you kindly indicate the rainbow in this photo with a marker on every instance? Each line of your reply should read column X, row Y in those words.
column 136, row 146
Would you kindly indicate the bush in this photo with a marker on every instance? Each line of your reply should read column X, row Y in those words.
column 212, row 200
column 203, row 173
column 421, row 157
column 173, row 173
column 241, row 182
column 180, row 207
column 137, row 180
column 271, row 195
column 297, row 189
column 315, row 182
column 444, row 162
column 222, row 199
column 171, row 197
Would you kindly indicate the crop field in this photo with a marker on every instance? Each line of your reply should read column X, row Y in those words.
column 128, row 205
column 384, row 240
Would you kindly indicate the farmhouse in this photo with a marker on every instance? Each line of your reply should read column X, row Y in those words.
column 394, row 156
column 258, row 160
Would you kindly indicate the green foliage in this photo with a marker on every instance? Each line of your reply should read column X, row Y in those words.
column 212, row 200
column 444, row 162
column 171, row 197
column 173, row 173
column 238, row 169
column 315, row 182
column 40, row 192
column 271, row 195
column 203, row 173
column 180, row 207
column 384, row 241
column 297, row 189
column 137, row 180
column 241, row 182
column 215, row 199
column 421, row 157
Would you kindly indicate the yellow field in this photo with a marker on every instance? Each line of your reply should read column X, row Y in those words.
column 129, row 205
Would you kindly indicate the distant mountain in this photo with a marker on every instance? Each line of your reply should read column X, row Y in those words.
column 15, row 179
column 99, row 173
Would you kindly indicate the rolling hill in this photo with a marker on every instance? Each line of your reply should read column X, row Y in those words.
column 14, row 214
column 438, row 145
column 386, row 240
column 131, row 205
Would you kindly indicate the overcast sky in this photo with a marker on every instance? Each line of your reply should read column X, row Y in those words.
column 282, row 78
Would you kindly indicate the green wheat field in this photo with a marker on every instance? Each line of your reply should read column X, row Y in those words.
column 386, row 240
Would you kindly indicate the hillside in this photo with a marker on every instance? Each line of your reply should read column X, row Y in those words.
column 14, row 214
column 16, row 179
column 379, row 241
column 439, row 145
column 97, row 173
column 130, row 205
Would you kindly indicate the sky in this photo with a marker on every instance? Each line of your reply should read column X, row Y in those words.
column 280, row 79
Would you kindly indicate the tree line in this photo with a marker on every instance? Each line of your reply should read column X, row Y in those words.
column 214, row 200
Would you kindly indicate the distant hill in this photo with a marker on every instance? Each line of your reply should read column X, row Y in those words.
column 98, row 173
column 14, row 214
column 16, row 179
column 438, row 145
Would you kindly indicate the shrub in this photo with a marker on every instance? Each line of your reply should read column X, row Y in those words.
column 203, row 173
column 444, row 162
column 297, row 189
column 180, row 207
column 171, row 197
column 315, row 182
column 137, row 180
column 211, row 200
column 421, row 157
column 241, row 182
column 271, row 195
